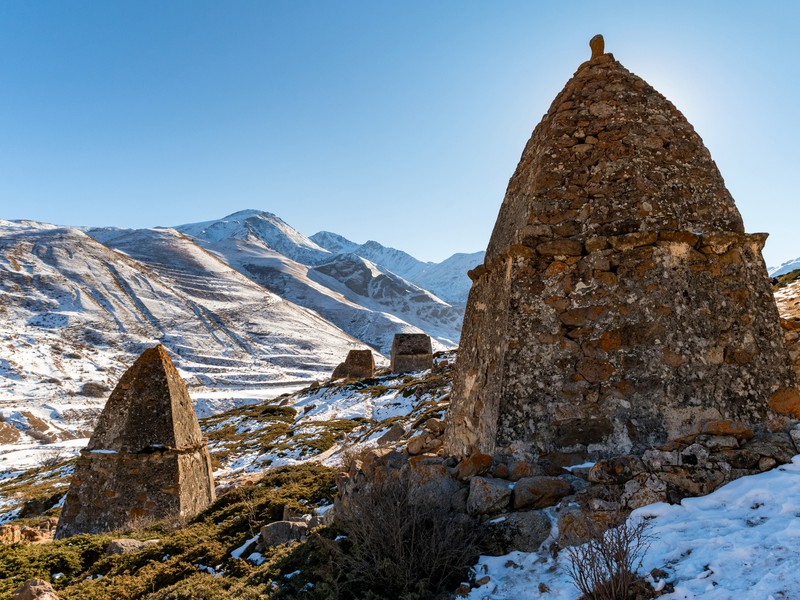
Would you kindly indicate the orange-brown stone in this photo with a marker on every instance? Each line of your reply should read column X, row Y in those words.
column 727, row 427
column 473, row 465
column 786, row 401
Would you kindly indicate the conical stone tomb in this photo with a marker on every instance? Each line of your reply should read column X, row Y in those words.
column 620, row 303
column 147, row 458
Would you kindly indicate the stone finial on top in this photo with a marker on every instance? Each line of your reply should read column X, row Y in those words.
column 597, row 44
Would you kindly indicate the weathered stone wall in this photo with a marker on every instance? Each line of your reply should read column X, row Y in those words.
column 359, row 364
column 147, row 458
column 118, row 490
column 411, row 352
column 617, row 346
column 621, row 302
column 612, row 156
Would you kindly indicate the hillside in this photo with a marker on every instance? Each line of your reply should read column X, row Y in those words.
column 248, row 307
column 447, row 279
column 743, row 546
column 367, row 299
column 75, row 313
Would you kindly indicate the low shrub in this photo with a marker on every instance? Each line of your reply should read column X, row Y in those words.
column 605, row 567
column 401, row 542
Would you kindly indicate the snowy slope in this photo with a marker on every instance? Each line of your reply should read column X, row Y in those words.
column 334, row 242
column 366, row 300
column 374, row 287
column 448, row 279
column 788, row 266
column 74, row 312
column 290, row 279
column 741, row 542
column 266, row 227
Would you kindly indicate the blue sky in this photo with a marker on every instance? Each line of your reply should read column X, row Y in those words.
column 400, row 122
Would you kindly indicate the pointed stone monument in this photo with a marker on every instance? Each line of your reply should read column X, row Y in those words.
column 147, row 458
column 621, row 302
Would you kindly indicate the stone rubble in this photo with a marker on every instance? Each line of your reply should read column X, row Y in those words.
column 522, row 503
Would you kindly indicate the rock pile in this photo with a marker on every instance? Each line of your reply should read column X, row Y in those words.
column 42, row 532
column 411, row 352
column 359, row 364
column 620, row 304
column 146, row 460
column 522, row 503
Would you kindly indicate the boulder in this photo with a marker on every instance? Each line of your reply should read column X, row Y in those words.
column 488, row 496
column 539, row 492
column 523, row 531
column 475, row 464
column 34, row 589
column 618, row 469
column 10, row 534
column 394, row 434
column 773, row 445
column 283, row 532
column 727, row 427
column 416, row 445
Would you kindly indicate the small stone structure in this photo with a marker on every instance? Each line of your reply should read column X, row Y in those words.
column 411, row 352
column 621, row 303
column 147, row 458
column 359, row 364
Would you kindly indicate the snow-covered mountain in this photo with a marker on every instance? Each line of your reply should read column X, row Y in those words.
column 74, row 313
column 447, row 279
column 787, row 267
column 366, row 299
column 247, row 306
column 270, row 229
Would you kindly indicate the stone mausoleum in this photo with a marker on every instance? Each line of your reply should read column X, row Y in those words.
column 621, row 302
column 146, row 459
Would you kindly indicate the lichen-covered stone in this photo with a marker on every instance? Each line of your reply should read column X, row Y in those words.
column 539, row 492
column 488, row 496
column 411, row 352
column 35, row 589
column 522, row 531
column 146, row 459
column 620, row 304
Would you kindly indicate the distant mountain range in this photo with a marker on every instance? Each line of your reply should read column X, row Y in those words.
column 245, row 304
column 787, row 267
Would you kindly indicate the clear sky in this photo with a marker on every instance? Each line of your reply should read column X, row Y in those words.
column 395, row 121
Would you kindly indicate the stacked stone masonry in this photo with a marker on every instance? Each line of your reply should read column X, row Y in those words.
column 411, row 352
column 359, row 364
column 147, row 458
column 515, row 502
column 621, row 303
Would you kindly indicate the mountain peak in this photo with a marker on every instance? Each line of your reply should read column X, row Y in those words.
column 250, row 212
